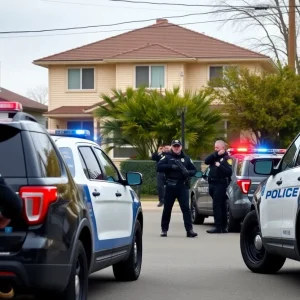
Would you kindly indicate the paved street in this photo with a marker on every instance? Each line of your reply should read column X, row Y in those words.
column 208, row 267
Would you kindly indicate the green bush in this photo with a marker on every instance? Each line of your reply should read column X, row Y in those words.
column 148, row 169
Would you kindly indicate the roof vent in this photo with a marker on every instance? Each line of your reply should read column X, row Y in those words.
column 161, row 21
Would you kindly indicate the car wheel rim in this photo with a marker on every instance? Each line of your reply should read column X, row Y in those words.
column 253, row 244
column 193, row 209
column 137, row 254
column 228, row 214
column 78, row 279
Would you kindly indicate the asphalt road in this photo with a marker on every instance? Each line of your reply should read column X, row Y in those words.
column 207, row 267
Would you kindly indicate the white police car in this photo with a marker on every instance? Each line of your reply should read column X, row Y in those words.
column 115, row 210
column 271, row 231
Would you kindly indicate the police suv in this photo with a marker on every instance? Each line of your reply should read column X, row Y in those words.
column 241, row 188
column 271, row 230
column 80, row 215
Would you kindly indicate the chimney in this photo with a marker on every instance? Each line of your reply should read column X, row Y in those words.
column 161, row 21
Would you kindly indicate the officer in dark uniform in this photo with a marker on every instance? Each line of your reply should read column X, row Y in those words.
column 10, row 204
column 218, row 178
column 160, row 177
column 178, row 168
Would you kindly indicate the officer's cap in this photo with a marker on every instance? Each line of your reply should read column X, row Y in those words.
column 176, row 142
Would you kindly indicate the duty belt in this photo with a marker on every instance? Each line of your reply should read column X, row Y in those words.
column 217, row 180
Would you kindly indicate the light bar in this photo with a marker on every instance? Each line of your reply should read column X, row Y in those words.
column 256, row 150
column 10, row 106
column 69, row 132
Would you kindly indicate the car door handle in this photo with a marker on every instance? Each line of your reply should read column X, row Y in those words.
column 279, row 182
column 96, row 194
column 118, row 194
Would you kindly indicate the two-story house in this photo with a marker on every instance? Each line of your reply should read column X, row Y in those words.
column 162, row 55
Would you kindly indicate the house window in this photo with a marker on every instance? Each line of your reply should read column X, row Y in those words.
column 217, row 72
column 81, row 79
column 150, row 76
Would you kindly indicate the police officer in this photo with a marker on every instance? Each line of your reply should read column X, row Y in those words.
column 178, row 168
column 218, row 178
column 10, row 204
column 160, row 177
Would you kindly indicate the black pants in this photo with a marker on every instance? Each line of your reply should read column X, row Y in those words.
column 218, row 193
column 181, row 192
column 161, row 186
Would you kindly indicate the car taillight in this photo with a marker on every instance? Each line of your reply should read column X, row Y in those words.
column 244, row 185
column 36, row 202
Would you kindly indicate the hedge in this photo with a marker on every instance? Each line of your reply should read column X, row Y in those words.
column 148, row 169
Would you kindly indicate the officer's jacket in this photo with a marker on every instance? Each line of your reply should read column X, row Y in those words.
column 10, row 203
column 225, row 168
column 167, row 161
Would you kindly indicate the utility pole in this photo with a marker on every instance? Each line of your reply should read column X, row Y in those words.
column 292, row 35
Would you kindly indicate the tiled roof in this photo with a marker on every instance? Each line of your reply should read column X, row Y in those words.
column 6, row 95
column 164, row 40
column 150, row 51
column 67, row 110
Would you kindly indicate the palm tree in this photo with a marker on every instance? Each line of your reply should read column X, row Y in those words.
column 144, row 119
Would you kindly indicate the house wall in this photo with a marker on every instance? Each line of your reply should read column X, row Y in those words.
column 59, row 95
column 125, row 74
column 188, row 76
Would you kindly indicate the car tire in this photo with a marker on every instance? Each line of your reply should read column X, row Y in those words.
column 233, row 225
column 255, row 256
column 130, row 269
column 77, row 288
column 196, row 217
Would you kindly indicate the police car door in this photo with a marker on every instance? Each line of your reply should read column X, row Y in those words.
column 276, row 192
column 121, row 208
column 102, row 197
column 290, row 204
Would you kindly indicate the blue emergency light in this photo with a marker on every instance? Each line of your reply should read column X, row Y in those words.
column 70, row 133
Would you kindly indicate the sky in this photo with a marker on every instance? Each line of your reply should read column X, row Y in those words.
column 18, row 51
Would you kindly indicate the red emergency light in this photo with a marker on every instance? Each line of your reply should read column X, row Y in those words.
column 10, row 106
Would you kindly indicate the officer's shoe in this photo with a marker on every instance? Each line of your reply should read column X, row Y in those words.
column 191, row 234
column 160, row 204
column 164, row 234
column 224, row 230
column 214, row 230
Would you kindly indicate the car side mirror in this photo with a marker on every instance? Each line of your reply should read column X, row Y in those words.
column 263, row 167
column 199, row 174
column 134, row 178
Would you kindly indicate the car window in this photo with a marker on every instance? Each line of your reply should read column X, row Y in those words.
column 47, row 156
column 12, row 161
column 206, row 172
column 239, row 167
column 263, row 168
column 109, row 168
column 288, row 159
column 297, row 164
column 69, row 159
column 90, row 166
